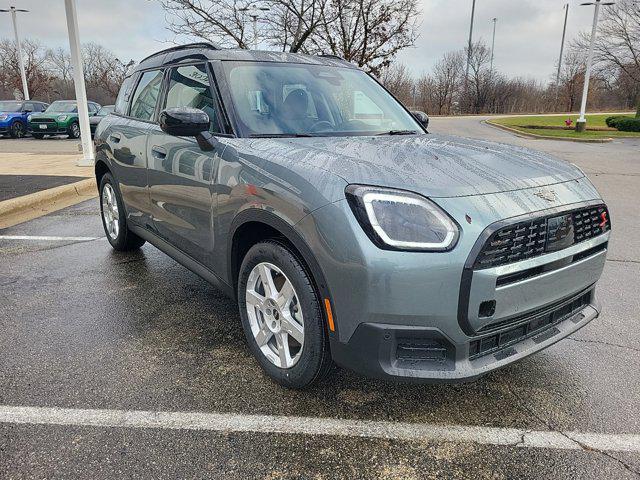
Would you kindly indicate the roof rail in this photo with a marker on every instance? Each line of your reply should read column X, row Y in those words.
column 208, row 45
column 330, row 55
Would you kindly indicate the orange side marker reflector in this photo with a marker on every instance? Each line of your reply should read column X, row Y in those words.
column 327, row 306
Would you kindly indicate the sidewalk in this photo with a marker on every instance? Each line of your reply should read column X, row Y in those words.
column 32, row 185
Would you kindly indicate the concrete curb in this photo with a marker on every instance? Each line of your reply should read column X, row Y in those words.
column 20, row 209
column 547, row 137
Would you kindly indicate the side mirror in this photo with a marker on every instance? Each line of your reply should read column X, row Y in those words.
column 422, row 118
column 184, row 121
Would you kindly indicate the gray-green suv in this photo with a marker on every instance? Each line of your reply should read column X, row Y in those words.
column 346, row 233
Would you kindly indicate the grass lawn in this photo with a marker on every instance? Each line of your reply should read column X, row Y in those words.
column 558, row 120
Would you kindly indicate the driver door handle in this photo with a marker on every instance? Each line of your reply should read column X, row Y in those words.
column 158, row 152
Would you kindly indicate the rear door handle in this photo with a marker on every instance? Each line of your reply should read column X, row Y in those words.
column 158, row 152
column 115, row 137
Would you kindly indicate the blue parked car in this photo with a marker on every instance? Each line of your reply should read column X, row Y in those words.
column 14, row 116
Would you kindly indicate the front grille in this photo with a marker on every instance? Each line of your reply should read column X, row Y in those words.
column 528, row 326
column 535, row 237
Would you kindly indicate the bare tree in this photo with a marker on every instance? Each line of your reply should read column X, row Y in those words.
column 221, row 21
column 292, row 23
column 479, row 81
column 368, row 33
column 34, row 57
column 447, row 74
column 397, row 80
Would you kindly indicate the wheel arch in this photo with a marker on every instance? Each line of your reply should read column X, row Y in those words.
column 254, row 225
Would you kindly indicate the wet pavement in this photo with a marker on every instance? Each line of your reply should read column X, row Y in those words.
column 84, row 327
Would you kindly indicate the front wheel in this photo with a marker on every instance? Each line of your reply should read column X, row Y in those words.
column 113, row 218
column 74, row 130
column 281, row 316
column 18, row 130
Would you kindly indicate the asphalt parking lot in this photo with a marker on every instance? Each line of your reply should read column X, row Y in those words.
column 128, row 365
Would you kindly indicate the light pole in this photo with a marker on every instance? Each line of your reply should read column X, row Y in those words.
column 581, row 123
column 254, row 12
column 88, row 157
column 25, row 88
column 466, row 73
column 493, row 44
column 564, row 32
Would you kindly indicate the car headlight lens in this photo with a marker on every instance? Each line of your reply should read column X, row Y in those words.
column 62, row 118
column 3, row 117
column 28, row 118
column 400, row 220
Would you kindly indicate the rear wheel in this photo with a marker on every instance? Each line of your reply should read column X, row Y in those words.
column 74, row 130
column 113, row 217
column 281, row 316
column 38, row 136
column 18, row 129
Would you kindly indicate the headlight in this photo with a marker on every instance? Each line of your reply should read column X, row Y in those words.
column 62, row 118
column 400, row 220
column 3, row 117
column 28, row 118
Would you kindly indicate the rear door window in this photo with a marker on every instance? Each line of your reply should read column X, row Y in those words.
column 124, row 95
column 145, row 97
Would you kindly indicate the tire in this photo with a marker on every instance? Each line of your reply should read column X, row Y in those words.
column 18, row 129
column 114, row 220
column 267, row 322
column 38, row 136
column 74, row 130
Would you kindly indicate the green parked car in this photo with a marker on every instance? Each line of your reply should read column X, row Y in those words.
column 61, row 118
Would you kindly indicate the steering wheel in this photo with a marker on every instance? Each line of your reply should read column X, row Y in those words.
column 321, row 125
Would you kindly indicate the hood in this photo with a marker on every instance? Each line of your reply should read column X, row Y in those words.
column 433, row 165
column 52, row 115
column 95, row 119
column 11, row 114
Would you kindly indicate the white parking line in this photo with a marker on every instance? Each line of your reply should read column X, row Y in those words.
column 48, row 239
column 227, row 422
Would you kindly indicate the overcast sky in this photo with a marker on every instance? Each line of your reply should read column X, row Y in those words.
column 527, row 39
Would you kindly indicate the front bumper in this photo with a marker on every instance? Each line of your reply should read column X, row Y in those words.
column 49, row 128
column 420, row 316
column 5, row 127
column 426, row 354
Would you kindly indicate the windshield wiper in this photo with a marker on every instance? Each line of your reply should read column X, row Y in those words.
column 398, row 132
column 280, row 135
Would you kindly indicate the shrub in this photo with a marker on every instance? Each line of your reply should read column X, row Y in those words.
column 613, row 120
column 628, row 124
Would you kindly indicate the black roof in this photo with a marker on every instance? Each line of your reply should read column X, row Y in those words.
column 208, row 51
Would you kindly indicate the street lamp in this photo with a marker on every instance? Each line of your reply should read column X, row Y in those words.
column 581, row 123
column 13, row 10
column 493, row 44
column 254, row 12
column 564, row 32
column 466, row 73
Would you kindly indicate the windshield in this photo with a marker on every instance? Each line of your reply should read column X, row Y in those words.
column 105, row 111
column 62, row 107
column 10, row 106
column 275, row 99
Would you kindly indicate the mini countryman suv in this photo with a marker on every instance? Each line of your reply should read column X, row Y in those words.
column 345, row 231
column 61, row 118
column 14, row 116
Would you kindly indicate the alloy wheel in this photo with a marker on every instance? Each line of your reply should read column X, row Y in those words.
column 110, row 213
column 17, row 130
column 275, row 315
column 75, row 130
